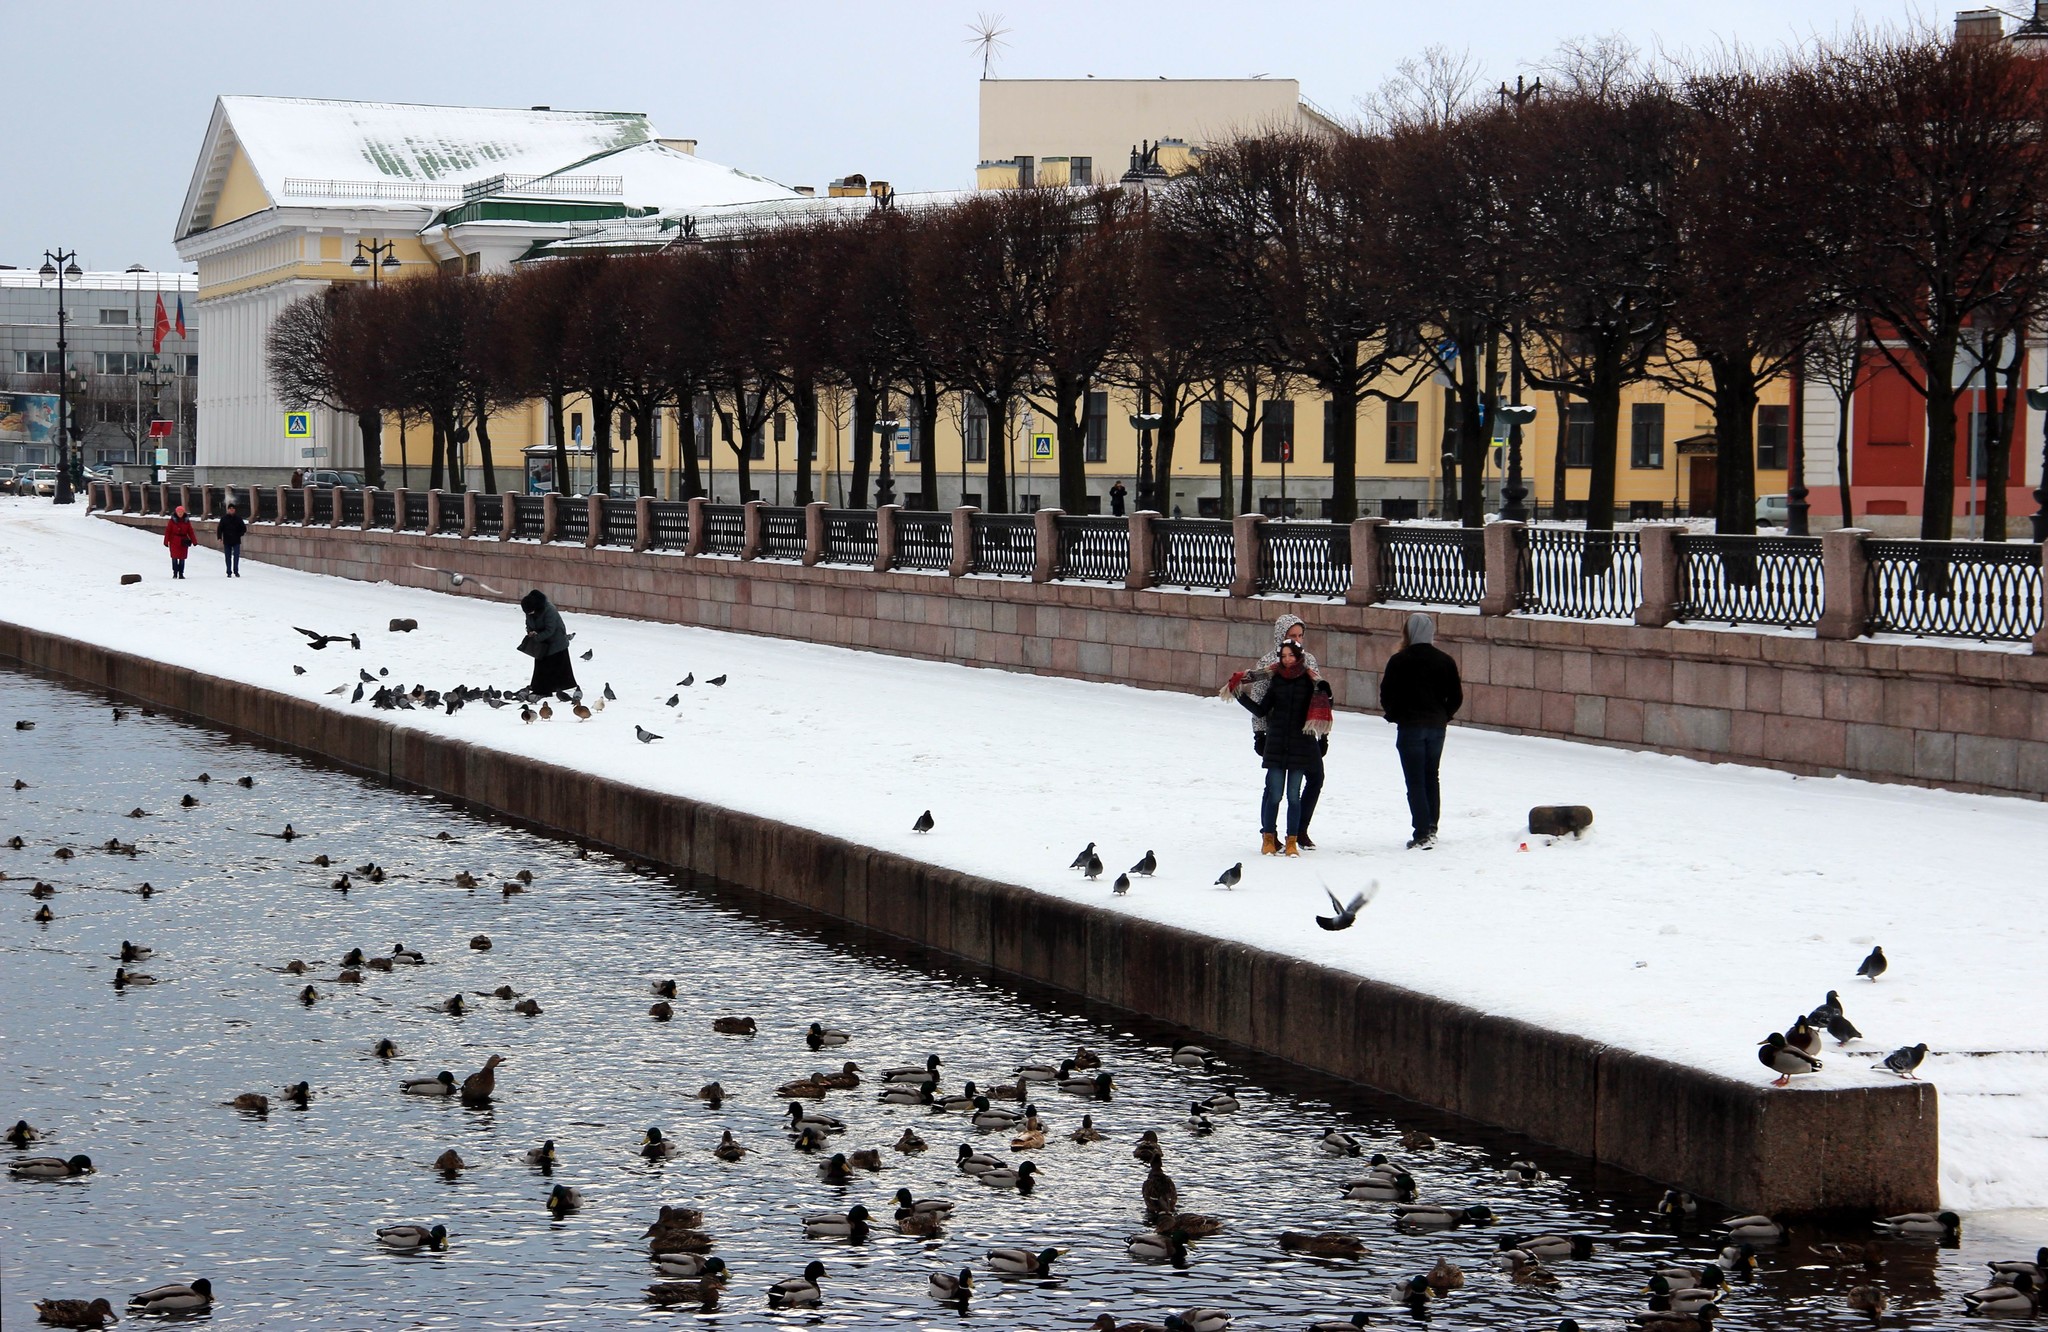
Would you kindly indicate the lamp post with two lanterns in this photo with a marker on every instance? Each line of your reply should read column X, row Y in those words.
column 60, row 264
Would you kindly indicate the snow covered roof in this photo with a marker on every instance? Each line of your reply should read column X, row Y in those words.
column 654, row 175
column 312, row 152
column 642, row 233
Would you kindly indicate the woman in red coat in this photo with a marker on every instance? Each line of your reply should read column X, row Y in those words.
column 180, row 538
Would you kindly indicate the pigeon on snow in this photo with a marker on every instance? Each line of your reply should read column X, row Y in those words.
column 923, row 824
column 1146, row 866
column 1231, row 877
column 1874, row 965
column 1905, row 1059
column 1081, row 861
column 643, row 735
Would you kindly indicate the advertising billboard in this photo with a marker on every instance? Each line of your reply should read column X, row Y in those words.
column 28, row 418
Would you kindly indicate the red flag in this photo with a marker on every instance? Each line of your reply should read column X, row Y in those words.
column 181, row 316
column 163, row 325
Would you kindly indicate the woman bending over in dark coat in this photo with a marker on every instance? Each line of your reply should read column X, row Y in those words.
column 547, row 642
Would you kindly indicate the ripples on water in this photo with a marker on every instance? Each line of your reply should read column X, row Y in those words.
column 279, row 1212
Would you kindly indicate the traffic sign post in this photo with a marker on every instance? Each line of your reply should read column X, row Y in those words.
column 298, row 425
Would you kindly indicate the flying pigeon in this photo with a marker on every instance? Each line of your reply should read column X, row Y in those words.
column 716, row 680
column 1230, row 877
column 1905, row 1059
column 923, row 824
column 1874, row 965
column 1122, row 885
column 1347, row 915
column 1146, row 866
column 1094, row 869
column 319, row 642
column 643, row 735
column 457, row 579
column 1081, row 860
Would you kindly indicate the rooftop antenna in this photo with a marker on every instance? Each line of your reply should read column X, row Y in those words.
column 987, row 33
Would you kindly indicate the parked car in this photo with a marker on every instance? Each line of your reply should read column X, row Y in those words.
column 327, row 477
column 43, row 480
column 1773, row 510
column 6, row 480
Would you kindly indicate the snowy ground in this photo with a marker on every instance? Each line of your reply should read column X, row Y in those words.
column 1709, row 904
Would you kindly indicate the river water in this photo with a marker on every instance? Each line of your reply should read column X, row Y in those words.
column 279, row 1211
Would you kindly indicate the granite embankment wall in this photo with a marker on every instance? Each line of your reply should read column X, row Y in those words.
column 1741, row 1143
column 1962, row 718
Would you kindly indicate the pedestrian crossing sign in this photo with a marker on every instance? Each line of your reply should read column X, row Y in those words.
column 298, row 425
column 1041, row 446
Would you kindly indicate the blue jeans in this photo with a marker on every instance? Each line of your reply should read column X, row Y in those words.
column 1421, row 749
column 1269, row 804
column 234, row 554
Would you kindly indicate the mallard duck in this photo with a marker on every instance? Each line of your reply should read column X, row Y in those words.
column 1687, row 1276
column 1087, row 1133
column 2017, row 1300
column 50, row 1167
column 688, row 1264
column 1351, row 1324
column 543, row 1155
column 903, row 1093
column 1446, row 1276
column 663, row 989
column 1428, row 1216
column 1684, row 1299
column 1041, row 1072
column 1108, row 1323
column 1030, row 1140
column 727, row 1149
column 1023, row 1177
column 1774, row 1054
column 923, row 1225
column 454, row 1005
column 1022, row 1262
column 464, row 879
column 809, row 1138
column 253, row 1103
column 704, row 1291
column 1380, row 1188
column 1198, row 1122
column 1160, row 1193
column 407, row 1238
column 478, row 1086
column 1194, row 1225
column 563, row 1200
column 135, row 952
column 910, row 1144
column 386, row 1049
column 450, row 1163
column 1520, row 1172
column 712, row 1093
column 733, row 1026
column 654, row 1147
column 846, row 1079
column 960, row 1102
column 1187, row 1056
column 800, row 1118
column 401, row 956
column 674, row 1218
column 1738, row 1258
column 43, row 916
column 952, row 1289
column 804, row 1087
column 173, row 1297
column 1754, row 1230
column 1222, row 1103
column 1678, row 1203
column 1101, row 1087
column 123, row 978
column 798, row 1290
column 2013, row 1266
column 1671, row 1320
column 1869, row 1300
column 1148, row 1149
column 994, row 1117
column 1802, row 1037
column 974, row 1163
column 1413, row 1292
column 1944, row 1226
column 76, row 1313
column 939, row 1207
column 1198, row 1320
column 1325, row 1244
column 1156, row 1247
column 850, row 1225
column 1525, row 1269
column 349, row 977
column 928, row 1071
column 660, row 1011
column 821, row 1036
column 835, row 1170
column 670, row 1242
column 441, row 1084
column 1083, row 1058
column 23, row 1133
column 1549, row 1246
column 1336, row 1142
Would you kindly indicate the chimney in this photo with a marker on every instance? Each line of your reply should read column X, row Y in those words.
column 1979, row 25
column 680, row 145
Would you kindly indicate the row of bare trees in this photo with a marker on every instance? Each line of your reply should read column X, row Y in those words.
column 1874, row 204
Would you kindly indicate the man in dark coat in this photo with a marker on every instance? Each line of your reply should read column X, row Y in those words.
column 1419, row 693
column 231, row 530
column 1116, row 499
column 547, row 642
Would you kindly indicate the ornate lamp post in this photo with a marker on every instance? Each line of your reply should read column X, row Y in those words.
column 60, row 264
column 368, row 262
column 1517, row 415
column 155, row 381
column 2037, row 398
column 885, row 485
column 1148, row 491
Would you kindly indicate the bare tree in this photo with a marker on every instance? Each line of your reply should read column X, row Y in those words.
column 1430, row 89
column 1839, row 355
column 324, row 350
column 1081, row 320
column 537, row 315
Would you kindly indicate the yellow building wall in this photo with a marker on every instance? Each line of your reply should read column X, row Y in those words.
column 241, row 193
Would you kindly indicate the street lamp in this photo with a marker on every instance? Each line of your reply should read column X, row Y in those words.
column 367, row 262
column 885, row 488
column 1517, row 415
column 156, row 379
column 1145, row 423
column 60, row 265
column 2037, row 398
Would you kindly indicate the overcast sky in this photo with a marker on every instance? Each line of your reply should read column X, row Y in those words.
column 110, row 99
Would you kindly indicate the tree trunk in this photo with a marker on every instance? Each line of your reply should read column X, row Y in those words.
column 1472, row 436
column 1246, row 501
column 483, row 446
column 556, row 413
column 1225, row 436
column 1344, row 450
column 435, row 472
column 601, row 441
column 928, row 439
column 643, row 431
column 804, row 405
column 1070, row 420
column 1162, row 457
column 1606, row 404
column 371, row 424
column 998, row 498
column 1735, row 398
column 1559, row 473
column 686, row 441
column 1842, row 458
column 864, row 401
column 1998, row 448
column 1938, row 493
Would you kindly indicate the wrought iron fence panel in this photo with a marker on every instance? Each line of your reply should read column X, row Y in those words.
column 621, row 522
column 352, row 508
column 572, row 520
column 451, row 514
column 1094, row 550
column 1005, row 544
column 782, row 533
column 1989, row 591
column 490, row 515
column 1305, row 559
column 1193, row 552
column 383, row 509
column 1735, row 579
column 850, row 537
column 262, row 505
column 294, row 505
column 530, row 515
column 1434, row 565
column 671, row 525
column 415, row 510
column 924, row 540
column 320, row 505
column 1587, row 575
column 725, row 529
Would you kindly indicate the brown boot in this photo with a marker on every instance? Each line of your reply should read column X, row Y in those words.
column 1269, row 844
column 1292, row 848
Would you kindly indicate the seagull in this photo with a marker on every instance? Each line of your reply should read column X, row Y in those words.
column 1094, row 867
column 319, row 642
column 716, row 680
column 458, row 579
column 1081, row 860
column 643, row 735
column 1230, row 877
column 1874, row 965
column 1905, row 1059
column 1122, row 885
column 1146, row 866
column 342, row 689
column 1347, row 915
column 923, row 824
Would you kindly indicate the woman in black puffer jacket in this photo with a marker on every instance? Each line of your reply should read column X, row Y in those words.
column 1296, row 706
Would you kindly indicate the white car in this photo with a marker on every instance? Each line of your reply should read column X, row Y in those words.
column 1773, row 510
column 45, row 480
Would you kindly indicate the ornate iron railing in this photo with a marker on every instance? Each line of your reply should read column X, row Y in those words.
column 924, row 540
column 383, row 509
column 671, row 525
column 782, row 533
column 320, row 505
column 572, row 520
column 850, row 537
column 415, row 510
column 450, row 515
column 1005, row 544
column 1441, row 565
column 621, row 522
column 1989, row 591
column 1736, row 579
column 351, row 508
column 294, row 504
column 1192, row 552
column 529, row 515
column 1094, row 550
column 1586, row 575
column 490, row 515
column 263, row 504
column 725, row 529
column 1305, row 559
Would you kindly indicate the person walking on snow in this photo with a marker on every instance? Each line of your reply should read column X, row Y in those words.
column 179, row 538
column 231, row 530
column 1295, row 704
column 1419, row 693
column 1291, row 629
column 547, row 642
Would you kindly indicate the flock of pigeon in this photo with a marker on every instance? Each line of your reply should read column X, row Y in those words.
column 1796, row 1049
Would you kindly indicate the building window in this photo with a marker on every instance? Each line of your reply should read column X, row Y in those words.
column 113, row 317
column 700, row 417
column 654, row 437
column 974, row 430
column 1773, row 435
column 1578, row 435
column 781, row 427
column 1095, row 443
column 1027, row 173
column 1215, row 430
column 117, row 363
column 1276, row 432
column 472, row 264
column 1404, row 431
column 1646, row 435
column 1080, row 171
column 36, row 362
column 576, row 430
column 192, row 366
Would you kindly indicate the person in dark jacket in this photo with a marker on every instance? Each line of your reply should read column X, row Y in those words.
column 179, row 538
column 1116, row 499
column 231, row 530
column 1296, row 707
column 547, row 642
column 1419, row 693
